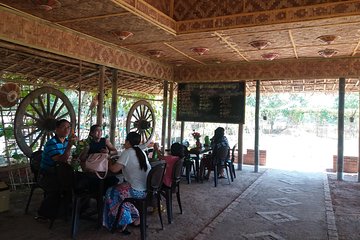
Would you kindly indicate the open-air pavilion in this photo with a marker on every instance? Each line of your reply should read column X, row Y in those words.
column 149, row 47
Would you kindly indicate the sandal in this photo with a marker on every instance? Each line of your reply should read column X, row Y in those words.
column 134, row 225
column 125, row 231
column 41, row 218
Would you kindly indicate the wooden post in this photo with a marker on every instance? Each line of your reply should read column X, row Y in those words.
column 171, row 99
column 163, row 127
column 114, row 83
column 182, row 127
column 79, row 102
column 359, row 142
column 257, row 111
column 340, row 157
column 240, row 146
column 100, row 107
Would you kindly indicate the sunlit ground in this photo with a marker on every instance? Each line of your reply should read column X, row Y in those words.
column 303, row 153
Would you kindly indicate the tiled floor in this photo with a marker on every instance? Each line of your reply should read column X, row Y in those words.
column 272, row 204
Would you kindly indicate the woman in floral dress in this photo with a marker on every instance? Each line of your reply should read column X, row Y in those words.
column 135, row 167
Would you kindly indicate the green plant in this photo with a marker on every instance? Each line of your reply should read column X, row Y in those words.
column 19, row 158
column 7, row 132
column 80, row 146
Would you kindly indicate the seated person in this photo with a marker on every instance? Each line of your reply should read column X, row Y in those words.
column 177, row 152
column 156, row 153
column 135, row 167
column 97, row 144
column 219, row 140
column 56, row 181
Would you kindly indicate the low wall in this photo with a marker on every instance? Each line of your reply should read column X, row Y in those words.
column 350, row 164
column 249, row 157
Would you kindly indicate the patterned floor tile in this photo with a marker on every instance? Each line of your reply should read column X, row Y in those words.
column 289, row 181
column 263, row 236
column 288, row 190
column 277, row 216
column 284, row 201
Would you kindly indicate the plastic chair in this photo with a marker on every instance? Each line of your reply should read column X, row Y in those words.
column 188, row 164
column 230, row 163
column 222, row 154
column 175, row 188
column 82, row 196
column 153, row 186
column 35, row 160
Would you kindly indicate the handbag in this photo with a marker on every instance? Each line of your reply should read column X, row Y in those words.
column 97, row 163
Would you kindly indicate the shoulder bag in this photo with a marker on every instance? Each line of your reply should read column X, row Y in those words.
column 97, row 163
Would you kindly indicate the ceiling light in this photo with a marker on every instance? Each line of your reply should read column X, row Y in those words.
column 327, row 38
column 47, row 5
column 155, row 53
column 270, row 56
column 122, row 35
column 199, row 50
column 327, row 53
column 260, row 44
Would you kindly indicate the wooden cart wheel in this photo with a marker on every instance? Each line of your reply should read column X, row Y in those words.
column 141, row 119
column 36, row 117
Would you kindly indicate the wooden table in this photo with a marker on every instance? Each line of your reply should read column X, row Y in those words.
column 198, row 152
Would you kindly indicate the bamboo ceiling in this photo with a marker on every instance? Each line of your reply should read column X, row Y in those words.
column 292, row 29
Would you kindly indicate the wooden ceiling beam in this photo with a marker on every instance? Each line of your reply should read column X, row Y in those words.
column 356, row 48
column 293, row 44
column 93, row 17
column 231, row 45
column 177, row 50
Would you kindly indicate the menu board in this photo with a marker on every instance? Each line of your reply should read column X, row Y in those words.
column 211, row 102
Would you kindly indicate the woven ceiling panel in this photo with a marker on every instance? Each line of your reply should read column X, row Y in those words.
column 196, row 9
column 161, row 5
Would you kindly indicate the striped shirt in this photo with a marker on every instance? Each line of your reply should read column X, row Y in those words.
column 52, row 148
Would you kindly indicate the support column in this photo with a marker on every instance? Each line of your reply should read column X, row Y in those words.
column 171, row 99
column 257, row 111
column 114, row 98
column 359, row 142
column 163, row 127
column 100, row 106
column 340, row 157
column 240, row 146
column 79, row 102
column 182, row 127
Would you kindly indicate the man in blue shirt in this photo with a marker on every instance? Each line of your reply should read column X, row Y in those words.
column 53, row 174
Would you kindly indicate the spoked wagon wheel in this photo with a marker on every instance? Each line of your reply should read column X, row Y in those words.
column 141, row 119
column 36, row 117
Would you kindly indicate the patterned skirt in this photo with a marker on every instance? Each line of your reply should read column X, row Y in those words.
column 113, row 198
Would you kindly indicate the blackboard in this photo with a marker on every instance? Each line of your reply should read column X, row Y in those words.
column 211, row 102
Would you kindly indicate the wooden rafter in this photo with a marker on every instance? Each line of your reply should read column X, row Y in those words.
column 230, row 44
column 293, row 44
column 93, row 17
